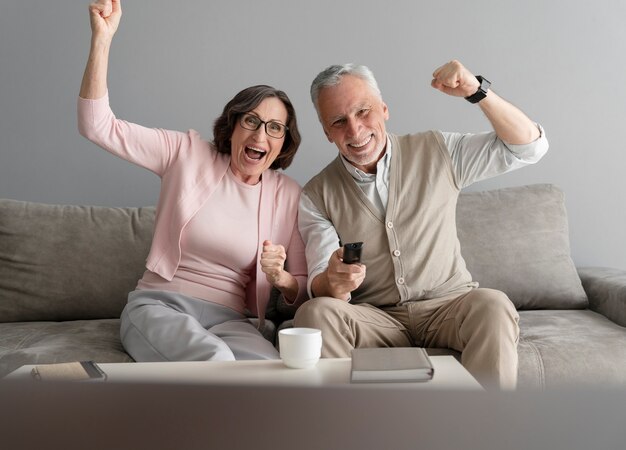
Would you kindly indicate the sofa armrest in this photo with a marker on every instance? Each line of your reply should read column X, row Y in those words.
column 606, row 289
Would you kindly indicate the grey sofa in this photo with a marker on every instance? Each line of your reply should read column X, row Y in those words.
column 65, row 272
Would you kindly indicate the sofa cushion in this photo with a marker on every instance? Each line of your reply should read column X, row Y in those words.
column 69, row 262
column 52, row 342
column 559, row 349
column 516, row 240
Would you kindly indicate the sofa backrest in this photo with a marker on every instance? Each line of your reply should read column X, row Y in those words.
column 79, row 262
column 69, row 262
column 517, row 240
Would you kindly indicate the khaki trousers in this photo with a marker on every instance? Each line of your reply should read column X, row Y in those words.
column 482, row 324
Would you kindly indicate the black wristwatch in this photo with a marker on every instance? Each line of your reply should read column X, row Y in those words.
column 481, row 92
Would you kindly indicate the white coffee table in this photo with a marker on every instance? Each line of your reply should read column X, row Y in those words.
column 449, row 373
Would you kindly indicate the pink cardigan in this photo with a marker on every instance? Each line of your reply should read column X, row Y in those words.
column 190, row 168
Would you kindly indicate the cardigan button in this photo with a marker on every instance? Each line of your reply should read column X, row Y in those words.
column 389, row 224
column 400, row 280
column 396, row 253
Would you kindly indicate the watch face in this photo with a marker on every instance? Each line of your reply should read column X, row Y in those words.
column 484, row 84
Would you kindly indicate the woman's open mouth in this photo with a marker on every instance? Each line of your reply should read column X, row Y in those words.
column 255, row 154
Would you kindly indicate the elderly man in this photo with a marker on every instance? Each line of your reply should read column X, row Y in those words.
column 398, row 195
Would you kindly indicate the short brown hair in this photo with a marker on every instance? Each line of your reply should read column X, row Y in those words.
column 245, row 101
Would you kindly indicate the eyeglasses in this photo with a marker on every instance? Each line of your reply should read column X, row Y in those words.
column 273, row 129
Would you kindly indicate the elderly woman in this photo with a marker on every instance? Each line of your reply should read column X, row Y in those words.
column 226, row 224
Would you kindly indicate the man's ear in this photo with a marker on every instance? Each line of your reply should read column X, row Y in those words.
column 328, row 136
column 386, row 111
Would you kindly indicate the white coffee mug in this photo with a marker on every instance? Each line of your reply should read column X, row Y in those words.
column 300, row 348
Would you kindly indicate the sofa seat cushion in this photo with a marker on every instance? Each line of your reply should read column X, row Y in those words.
column 23, row 343
column 569, row 348
column 51, row 342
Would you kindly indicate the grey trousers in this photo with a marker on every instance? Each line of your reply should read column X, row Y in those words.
column 167, row 326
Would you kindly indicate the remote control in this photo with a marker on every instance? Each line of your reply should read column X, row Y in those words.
column 352, row 252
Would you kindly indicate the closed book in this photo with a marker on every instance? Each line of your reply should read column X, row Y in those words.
column 391, row 364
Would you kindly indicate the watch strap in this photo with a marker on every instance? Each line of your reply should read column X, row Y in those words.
column 481, row 92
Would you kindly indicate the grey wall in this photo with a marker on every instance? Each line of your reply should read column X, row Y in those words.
column 175, row 64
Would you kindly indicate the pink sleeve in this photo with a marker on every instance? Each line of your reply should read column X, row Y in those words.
column 296, row 265
column 152, row 148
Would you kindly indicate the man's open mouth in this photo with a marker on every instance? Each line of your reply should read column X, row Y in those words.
column 363, row 143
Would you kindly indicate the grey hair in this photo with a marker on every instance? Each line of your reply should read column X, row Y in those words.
column 331, row 76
